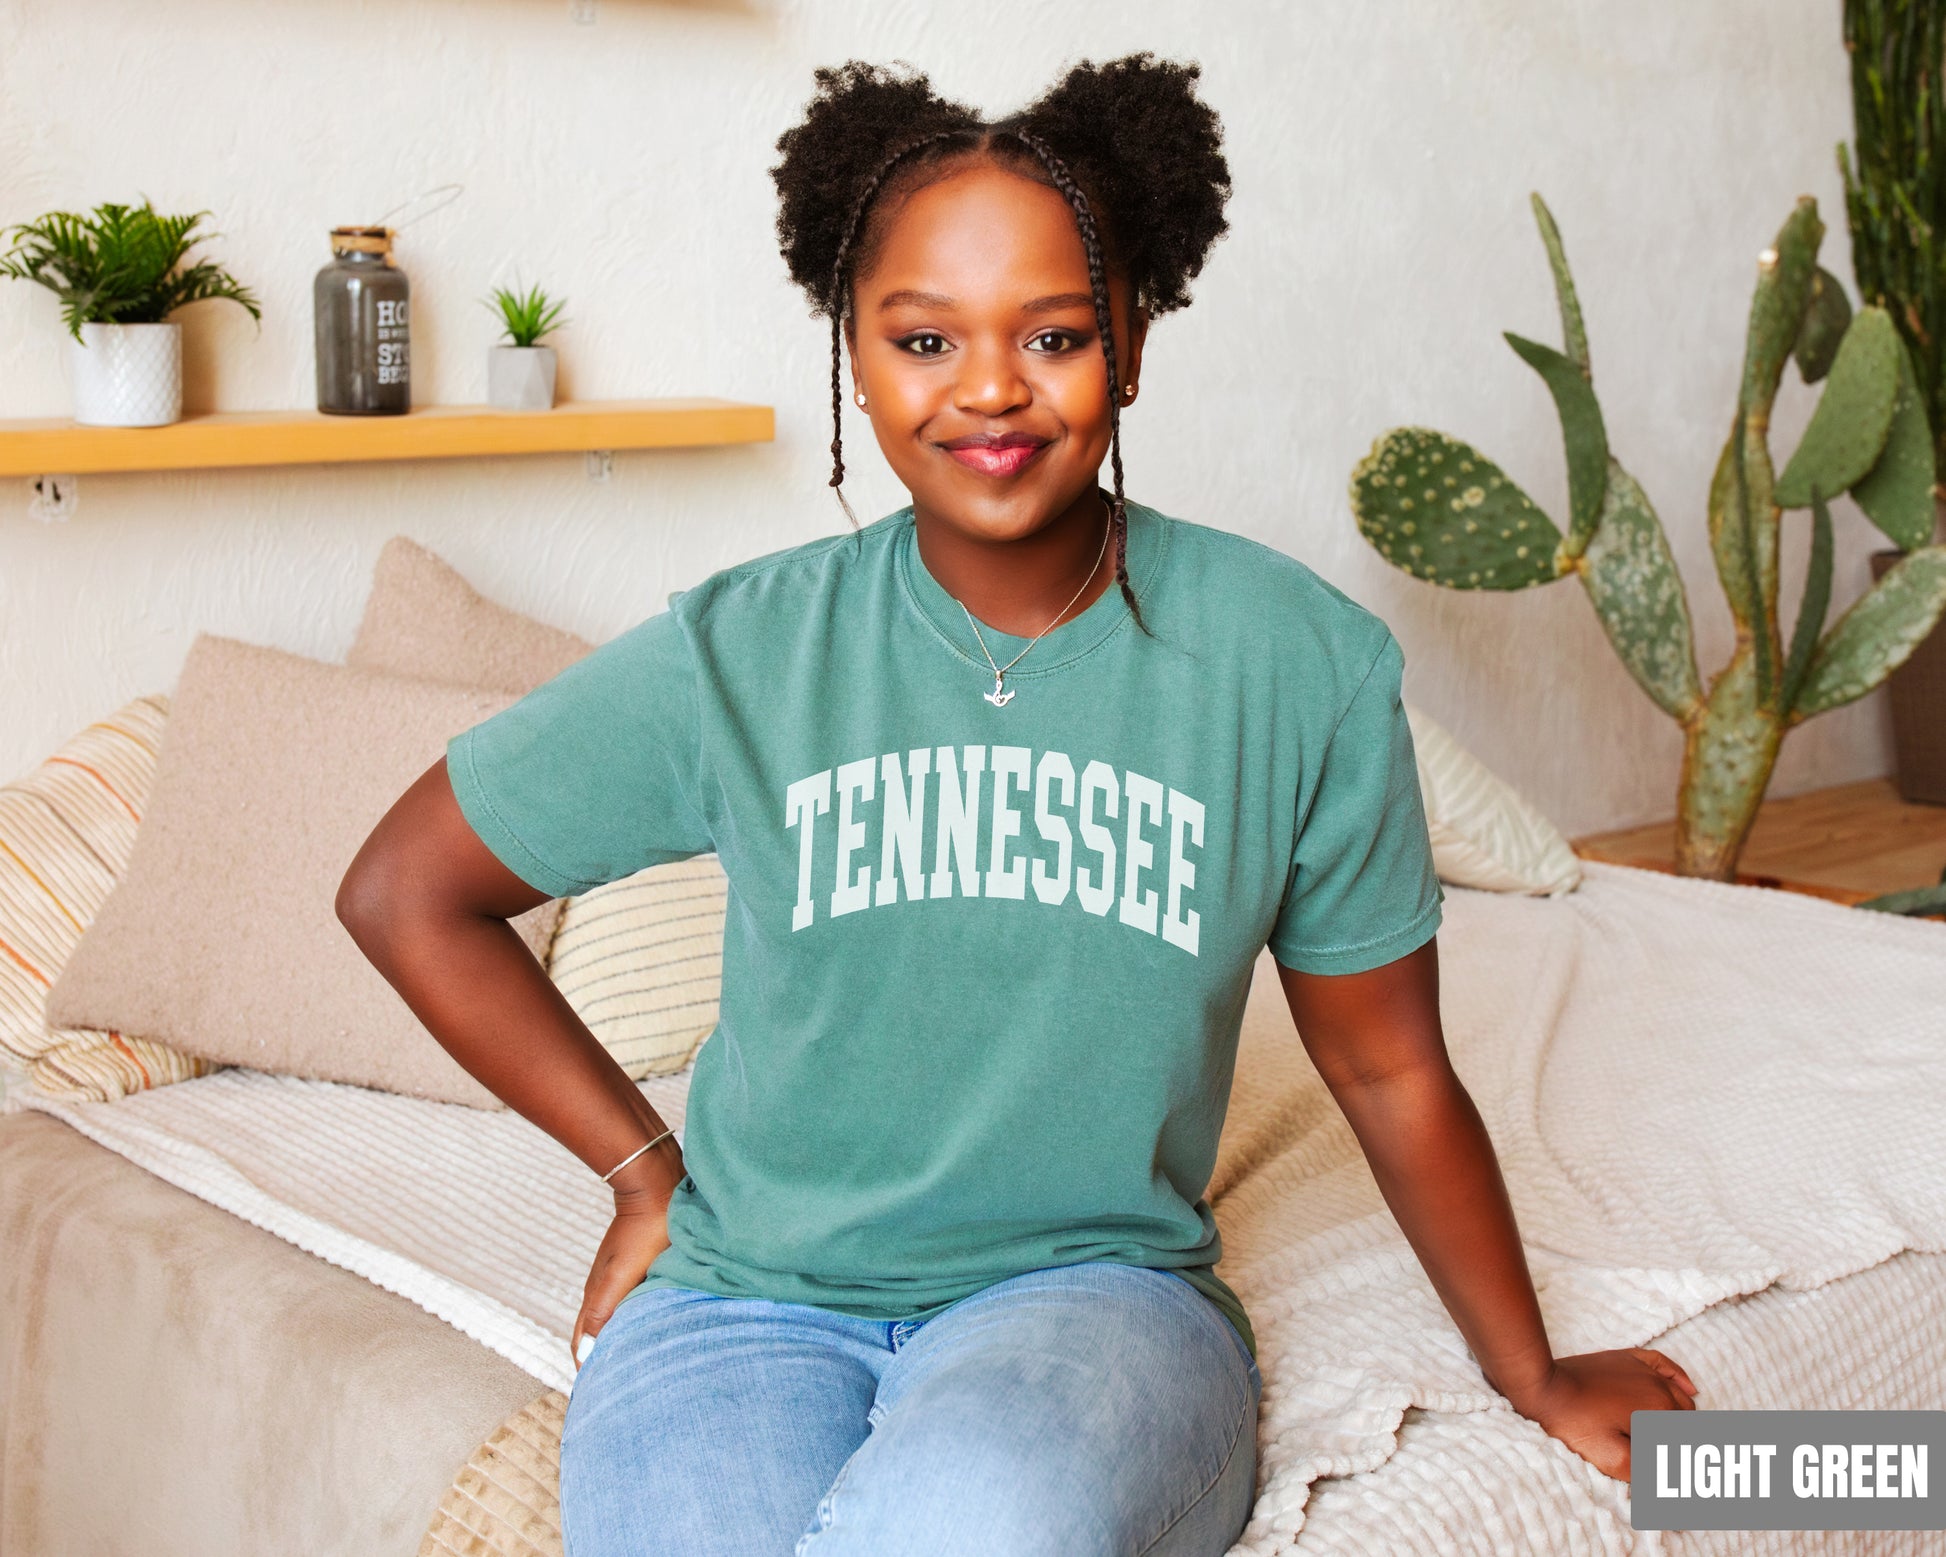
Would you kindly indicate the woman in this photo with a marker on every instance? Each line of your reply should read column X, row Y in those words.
column 1010, row 788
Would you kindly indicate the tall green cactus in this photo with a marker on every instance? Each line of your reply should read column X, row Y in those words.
column 1895, row 180
column 1442, row 511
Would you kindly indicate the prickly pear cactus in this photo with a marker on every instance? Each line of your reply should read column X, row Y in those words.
column 1847, row 431
column 1826, row 318
column 1442, row 511
column 1897, row 493
column 1875, row 636
column 1638, row 595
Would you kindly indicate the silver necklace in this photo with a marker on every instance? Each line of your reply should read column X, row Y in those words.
column 997, row 697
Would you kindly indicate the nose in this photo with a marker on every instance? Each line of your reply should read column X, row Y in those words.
column 989, row 381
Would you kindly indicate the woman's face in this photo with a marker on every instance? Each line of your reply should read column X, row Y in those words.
column 974, row 341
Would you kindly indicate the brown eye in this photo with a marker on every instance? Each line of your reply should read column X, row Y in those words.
column 1051, row 341
column 924, row 345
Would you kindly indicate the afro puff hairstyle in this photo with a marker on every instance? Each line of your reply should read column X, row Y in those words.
column 1130, row 146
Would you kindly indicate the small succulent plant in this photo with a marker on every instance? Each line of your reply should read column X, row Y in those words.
column 526, row 316
column 1442, row 511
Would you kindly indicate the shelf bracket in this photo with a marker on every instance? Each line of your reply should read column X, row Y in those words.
column 599, row 464
column 52, row 499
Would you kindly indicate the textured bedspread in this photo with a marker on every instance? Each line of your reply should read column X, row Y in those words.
column 1465, row 1483
column 1696, row 1091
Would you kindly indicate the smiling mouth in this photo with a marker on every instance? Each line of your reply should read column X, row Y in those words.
column 1006, row 454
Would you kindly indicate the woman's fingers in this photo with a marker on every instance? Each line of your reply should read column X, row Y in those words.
column 1665, row 1365
column 628, row 1249
column 587, row 1325
column 582, row 1336
column 597, row 1304
column 1669, row 1369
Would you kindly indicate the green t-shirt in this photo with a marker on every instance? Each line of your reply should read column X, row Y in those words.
column 984, row 965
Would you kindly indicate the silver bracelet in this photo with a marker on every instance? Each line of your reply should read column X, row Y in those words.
column 634, row 1154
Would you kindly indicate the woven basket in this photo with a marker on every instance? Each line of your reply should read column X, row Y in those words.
column 1918, row 692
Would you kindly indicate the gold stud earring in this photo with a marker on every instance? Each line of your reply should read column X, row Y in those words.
column 859, row 396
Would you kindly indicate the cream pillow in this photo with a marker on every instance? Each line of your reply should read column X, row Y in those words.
column 66, row 830
column 222, row 938
column 640, row 959
column 1485, row 834
column 641, row 962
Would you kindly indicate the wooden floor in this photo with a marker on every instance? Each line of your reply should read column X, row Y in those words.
column 1849, row 842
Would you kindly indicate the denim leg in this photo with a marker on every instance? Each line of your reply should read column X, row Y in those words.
column 1080, row 1410
column 703, row 1426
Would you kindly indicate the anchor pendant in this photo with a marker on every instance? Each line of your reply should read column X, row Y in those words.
column 996, row 697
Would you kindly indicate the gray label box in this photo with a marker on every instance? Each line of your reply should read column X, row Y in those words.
column 1786, row 1470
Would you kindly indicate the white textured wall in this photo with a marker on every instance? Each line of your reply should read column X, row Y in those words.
column 1382, row 155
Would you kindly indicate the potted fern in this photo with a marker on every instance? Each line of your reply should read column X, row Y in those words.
column 120, row 272
column 520, row 375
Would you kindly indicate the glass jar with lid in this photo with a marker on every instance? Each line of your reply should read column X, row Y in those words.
column 362, row 304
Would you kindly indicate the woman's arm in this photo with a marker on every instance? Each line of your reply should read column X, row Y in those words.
column 428, row 903
column 1376, row 1040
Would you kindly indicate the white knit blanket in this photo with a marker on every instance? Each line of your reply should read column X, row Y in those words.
column 1695, row 1091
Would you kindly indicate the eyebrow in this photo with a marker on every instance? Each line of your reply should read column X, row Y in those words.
column 1052, row 303
column 1059, row 300
column 915, row 299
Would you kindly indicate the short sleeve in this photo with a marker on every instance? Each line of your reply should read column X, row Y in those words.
column 594, row 774
column 1362, row 888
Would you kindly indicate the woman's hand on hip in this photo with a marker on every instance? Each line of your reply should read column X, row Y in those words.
column 638, row 1233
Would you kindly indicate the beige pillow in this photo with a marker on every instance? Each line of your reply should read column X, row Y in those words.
column 1485, row 833
column 66, row 830
column 222, row 938
column 641, row 959
column 422, row 619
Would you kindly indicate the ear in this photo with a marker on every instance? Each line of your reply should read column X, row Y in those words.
column 1138, row 333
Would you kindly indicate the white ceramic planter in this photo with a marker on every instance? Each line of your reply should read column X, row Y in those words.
column 127, row 375
column 521, row 378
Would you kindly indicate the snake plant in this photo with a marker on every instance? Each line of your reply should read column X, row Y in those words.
column 1443, row 512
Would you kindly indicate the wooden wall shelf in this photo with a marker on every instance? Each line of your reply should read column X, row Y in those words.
column 231, row 438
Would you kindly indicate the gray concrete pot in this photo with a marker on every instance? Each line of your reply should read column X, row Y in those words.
column 521, row 378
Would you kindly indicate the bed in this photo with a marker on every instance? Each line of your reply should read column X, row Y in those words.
column 339, row 1325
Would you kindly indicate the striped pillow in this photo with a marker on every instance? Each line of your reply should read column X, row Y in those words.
column 1485, row 833
column 66, row 830
column 641, row 962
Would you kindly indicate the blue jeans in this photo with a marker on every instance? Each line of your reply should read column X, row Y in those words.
column 1083, row 1409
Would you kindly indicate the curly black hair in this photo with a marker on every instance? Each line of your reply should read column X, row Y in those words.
column 1135, row 152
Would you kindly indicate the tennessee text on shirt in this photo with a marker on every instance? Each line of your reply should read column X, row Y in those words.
column 1053, row 795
